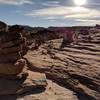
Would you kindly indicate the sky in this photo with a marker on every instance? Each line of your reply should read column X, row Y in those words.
column 47, row 13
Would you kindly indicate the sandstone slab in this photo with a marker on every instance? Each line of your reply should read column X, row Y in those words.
column 31, row 83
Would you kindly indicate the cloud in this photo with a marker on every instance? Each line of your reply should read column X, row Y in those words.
column 96, row 4
column 15, row 2
column 84, row 13
column 51, row 3
column 87, row 22
column 66, row 12
column 52, row 11
column 78, row 14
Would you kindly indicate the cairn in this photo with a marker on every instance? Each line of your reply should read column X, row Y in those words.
column 14, row 76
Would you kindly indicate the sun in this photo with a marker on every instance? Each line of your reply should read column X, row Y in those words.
column 80, row 2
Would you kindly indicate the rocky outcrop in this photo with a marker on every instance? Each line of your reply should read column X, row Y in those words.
column 41, row 36
column 75, row 66
column 3, row 26
column 10, row 53
column 14, row 75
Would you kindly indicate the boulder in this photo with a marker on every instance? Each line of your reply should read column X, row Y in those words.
column 32, row 82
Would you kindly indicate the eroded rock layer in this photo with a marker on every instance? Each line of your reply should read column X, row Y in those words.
column 11, row 61
column 75, row 66
column 14, row 76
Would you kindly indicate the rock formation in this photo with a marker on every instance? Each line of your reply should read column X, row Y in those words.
column 14, row 76
column 41, row 36
column 3, row 26
column 76, row 67
column 11, row 62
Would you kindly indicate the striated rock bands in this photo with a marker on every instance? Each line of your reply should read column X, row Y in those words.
column 74, row 66
column 14, row 76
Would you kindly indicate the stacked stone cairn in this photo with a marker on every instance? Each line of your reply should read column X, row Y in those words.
column 14, row 77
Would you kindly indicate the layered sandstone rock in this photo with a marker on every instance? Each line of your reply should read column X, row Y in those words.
column 14, row 76
column 75, row 66
column 10, row 53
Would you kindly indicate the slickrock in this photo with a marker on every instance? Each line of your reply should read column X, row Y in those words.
column 77, row 67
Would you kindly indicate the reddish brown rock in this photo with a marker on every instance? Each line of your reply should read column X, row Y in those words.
column 11, row 68
column 10, row 50
column 9, row 44
column 12, row 57
column 14, row 76
column 7, row 36
column 11, row 47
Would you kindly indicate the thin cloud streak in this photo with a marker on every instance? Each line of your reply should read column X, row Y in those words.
column 94, row 4
column 15, row 2
column 51, row 4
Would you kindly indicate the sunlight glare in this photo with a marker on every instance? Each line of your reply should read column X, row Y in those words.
column 80, row 2
column 78, row 9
